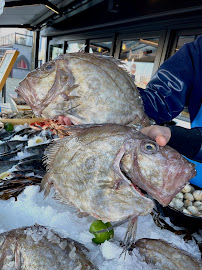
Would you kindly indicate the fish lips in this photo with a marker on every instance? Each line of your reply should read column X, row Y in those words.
column 176, row 172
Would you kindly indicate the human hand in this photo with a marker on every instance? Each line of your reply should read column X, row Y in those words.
column 64, row 120
column 158, row 133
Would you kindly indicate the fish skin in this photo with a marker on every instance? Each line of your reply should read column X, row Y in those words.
column 37, row 247
column 165, row 256
column 170, row 173
column 85, row 170
column 86, row 88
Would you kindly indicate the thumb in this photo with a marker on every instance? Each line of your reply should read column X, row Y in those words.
column 161, row 140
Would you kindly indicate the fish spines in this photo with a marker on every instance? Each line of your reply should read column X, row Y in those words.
column 46, row 184
column 51, row 151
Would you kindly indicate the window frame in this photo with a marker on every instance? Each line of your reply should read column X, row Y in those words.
column 183, row 32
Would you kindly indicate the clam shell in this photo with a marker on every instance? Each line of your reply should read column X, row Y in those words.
column 186, row 188
column 197, row 195
column 171, row 204
column 197, row 203
column 189, row 196
column 187, row 203
column 178, row 203
column 185, row 211
column 193, row 209
column 192, row 189
column 199, row 207
column 179, row 196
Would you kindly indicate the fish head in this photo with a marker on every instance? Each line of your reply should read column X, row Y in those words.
column 160, row 171
column 42, row 85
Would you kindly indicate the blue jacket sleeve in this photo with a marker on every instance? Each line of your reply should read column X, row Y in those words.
column 187, row 142
column 169, row 90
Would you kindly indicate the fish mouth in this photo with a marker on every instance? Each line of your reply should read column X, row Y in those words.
column 139, row 190
column 127, row 178
column 122, row 165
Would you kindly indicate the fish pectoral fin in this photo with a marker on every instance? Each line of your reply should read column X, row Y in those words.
column 46, row 184
column 81, row 214
column 70, row 89
column 129, row 238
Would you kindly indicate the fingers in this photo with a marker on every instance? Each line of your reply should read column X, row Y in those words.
column 158, row 133
column 64, row 120
column 161, row 140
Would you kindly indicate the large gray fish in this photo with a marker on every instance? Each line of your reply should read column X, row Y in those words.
column 165, row 256
column 97, row 168
column 84, row 87
column 39, row 248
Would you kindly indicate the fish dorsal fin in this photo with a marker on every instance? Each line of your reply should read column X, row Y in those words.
column 52, row 150
column 117, row 62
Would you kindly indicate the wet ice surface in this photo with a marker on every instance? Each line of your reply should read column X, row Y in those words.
column 31, row 208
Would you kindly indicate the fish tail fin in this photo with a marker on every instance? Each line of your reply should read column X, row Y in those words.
column 46, row 184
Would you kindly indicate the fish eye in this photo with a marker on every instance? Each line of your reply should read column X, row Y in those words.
column 149, row 147
column 48, row 66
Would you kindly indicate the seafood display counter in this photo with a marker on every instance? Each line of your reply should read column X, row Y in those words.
column 188, row 213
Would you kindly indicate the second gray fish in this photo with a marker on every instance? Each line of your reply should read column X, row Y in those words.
column 40, row 248
column 97, row 170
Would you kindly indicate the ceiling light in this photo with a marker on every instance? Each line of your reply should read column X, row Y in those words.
column 52, row 9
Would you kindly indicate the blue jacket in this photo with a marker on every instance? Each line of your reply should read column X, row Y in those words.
column 178, row 83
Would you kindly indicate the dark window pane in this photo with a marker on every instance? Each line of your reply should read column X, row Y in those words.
column 100, row 47
column 182, row 40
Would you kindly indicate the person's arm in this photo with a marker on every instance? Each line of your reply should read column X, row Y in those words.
column 168, row 91
column 187, row 142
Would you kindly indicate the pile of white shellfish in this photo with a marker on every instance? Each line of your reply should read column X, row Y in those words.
column 188, row 201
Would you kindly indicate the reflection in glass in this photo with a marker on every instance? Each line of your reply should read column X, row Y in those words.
column 139, row 56
column 75, row 46
column 55, row 51
column 100, row 47
column 182, row 40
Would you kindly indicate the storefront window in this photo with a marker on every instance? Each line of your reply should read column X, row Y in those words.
column 182, row 40
column 75, row 46
column 55, row 51
column 102, row 48
column 139, row 56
